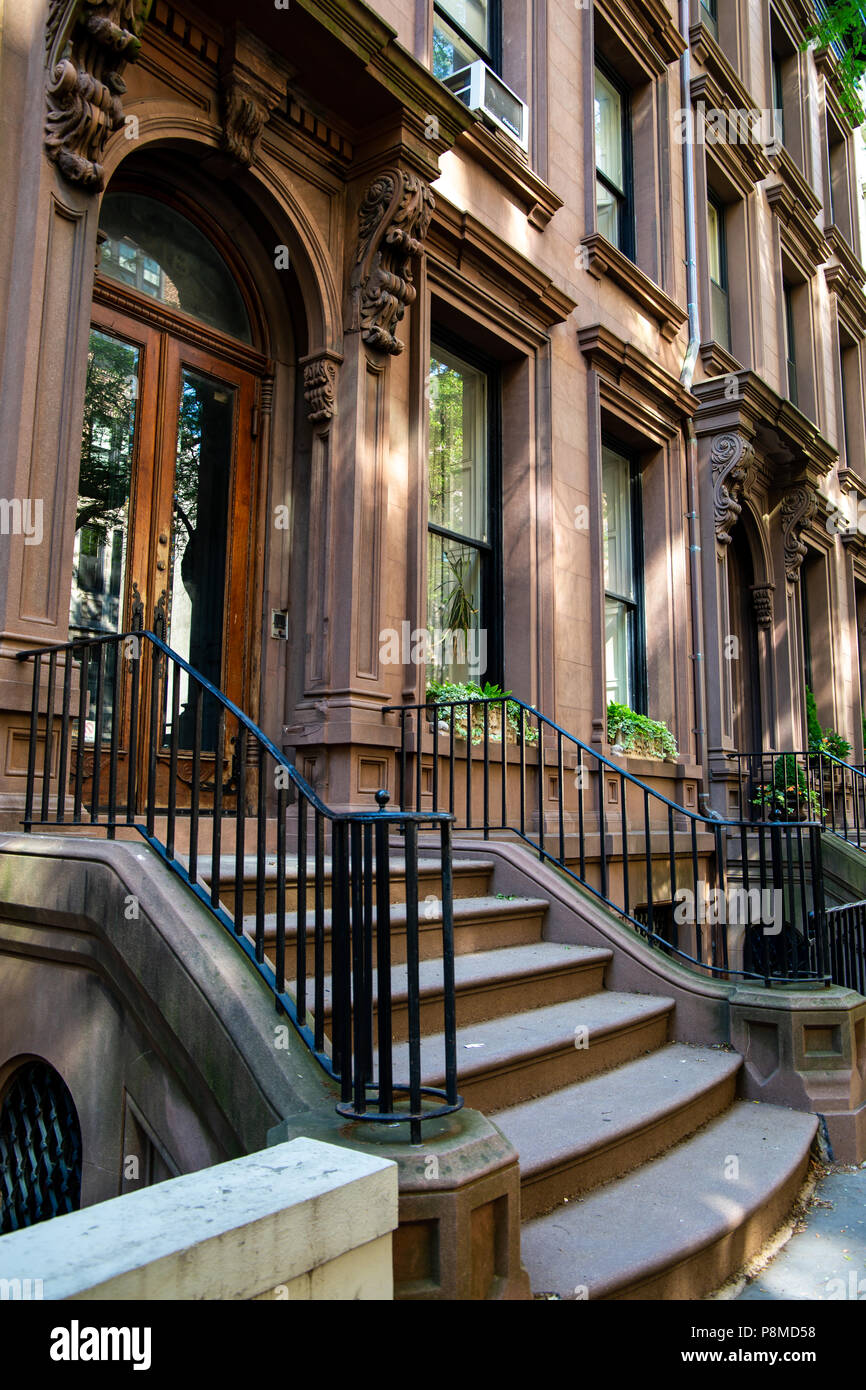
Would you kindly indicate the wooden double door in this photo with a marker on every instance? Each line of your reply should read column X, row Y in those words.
column 164, row 529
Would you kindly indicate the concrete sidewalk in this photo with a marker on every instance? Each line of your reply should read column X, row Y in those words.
column 825, row 1259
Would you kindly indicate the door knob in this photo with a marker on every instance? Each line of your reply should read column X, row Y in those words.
column 160, row 564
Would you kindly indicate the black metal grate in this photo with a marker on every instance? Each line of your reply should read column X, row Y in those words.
column 40, row 1149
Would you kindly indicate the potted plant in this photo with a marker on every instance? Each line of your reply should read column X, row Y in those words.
column 788, row 796
column 633, row 733
column 446, row 692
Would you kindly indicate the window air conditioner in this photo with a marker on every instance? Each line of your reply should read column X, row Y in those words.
column 483, row 91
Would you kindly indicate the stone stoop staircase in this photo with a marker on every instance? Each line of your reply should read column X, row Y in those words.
column 642, row 1175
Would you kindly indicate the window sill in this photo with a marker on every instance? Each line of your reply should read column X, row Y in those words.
column 606, row 259
column 507, row 162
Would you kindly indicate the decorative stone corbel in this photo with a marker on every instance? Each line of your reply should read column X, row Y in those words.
column 394, row 217
column 320, row 385
column 730, row 460
column 799, row 506
column 762, row 600
column 88, row 43
column 253, row 83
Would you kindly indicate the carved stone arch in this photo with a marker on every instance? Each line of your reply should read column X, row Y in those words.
column 284, row 210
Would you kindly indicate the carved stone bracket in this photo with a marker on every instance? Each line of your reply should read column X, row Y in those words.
column 394, row 217
column 798, row 508
column 320, row 386
column 730, row 460
column 253, row 82
column 762, row 599
column 88, row 43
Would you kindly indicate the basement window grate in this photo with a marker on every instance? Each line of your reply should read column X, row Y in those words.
column 40, row 1149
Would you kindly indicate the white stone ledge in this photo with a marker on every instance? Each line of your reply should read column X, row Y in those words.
column 300, row 1220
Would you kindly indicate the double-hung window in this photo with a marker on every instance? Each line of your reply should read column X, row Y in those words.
column 790, row 344
column 717, row 255
column 614, row 213
column 463, row 571
column 710, row 16
column 625, row 642
column 463, row 32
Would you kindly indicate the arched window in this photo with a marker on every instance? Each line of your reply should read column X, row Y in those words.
column 152, row 248
column 40, row 1149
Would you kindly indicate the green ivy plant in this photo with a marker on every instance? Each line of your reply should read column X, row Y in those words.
column 636, row 733
column 447, row 692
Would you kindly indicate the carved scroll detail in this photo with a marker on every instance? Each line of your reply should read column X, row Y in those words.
column 394, row 218
column 88, row 45
column 762, row 599
column 254, row 82
column 730, row 460
column 798, row 508
column 320, row 387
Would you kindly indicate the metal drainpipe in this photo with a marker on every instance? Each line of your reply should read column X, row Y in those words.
column 686, row 375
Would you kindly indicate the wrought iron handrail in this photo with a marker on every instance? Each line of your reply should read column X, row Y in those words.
column 748, row 860
column 143, row 730
column 791, row 782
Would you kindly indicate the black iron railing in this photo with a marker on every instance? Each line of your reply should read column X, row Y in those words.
column 846, row 945
column 125, row 734
column 735, row 898
column 796, row 785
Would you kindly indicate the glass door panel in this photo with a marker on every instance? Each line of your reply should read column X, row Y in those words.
column 199, row 539
column 104, row 494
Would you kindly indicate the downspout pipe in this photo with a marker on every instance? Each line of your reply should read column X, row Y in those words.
column 686, row 377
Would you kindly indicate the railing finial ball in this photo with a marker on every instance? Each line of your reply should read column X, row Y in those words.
column 382, row 798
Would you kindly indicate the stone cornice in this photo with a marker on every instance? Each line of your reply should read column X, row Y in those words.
column 846, row 279
column 630, row 369
column 790, row 446
column 796, row 206
column 456, row 240
column 717, row 360
column 745, row 160
column 501, row 157
column 605, row 259
column 647, row 29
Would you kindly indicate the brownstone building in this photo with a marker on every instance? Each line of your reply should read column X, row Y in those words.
column 266, row 274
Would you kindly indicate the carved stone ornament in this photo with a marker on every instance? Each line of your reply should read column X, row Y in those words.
column 394, row 217
column 253, row 83
column 88, row 44
column 798, row 508
column 320, row 388
column 730, row 460
column 762, row 599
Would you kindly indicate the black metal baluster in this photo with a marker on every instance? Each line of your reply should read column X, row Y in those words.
column 319, row 931
column 132, row 754
column 358, row 1022
column 540, row 792
column 581, row 830
column 366, row 1055
column 114, row 745
column 281, row 895
column 648, row 865
column 31, row 751
column 156, row 737
column 195, row 791
column 451, row 761
column 602, row 832
column 503, row 819
column 468, row 708
column 341, row 1003
column 522, row 741
column 559, row 780
column 49, row 735
column 623, row 823
column 217, row 837
column 402, row 763
column 172, row 758
column 83, row 694
column 486, row 787
column 448, row 964
column 97, row 733
column 240, row 829
column 413, row 981
column 261, row 851
column 383, row 967
column 301, row 938
column 63, row 768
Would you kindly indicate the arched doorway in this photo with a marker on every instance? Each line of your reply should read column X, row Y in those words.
column 746, row 719
column 40, row 1148
column 165, row 523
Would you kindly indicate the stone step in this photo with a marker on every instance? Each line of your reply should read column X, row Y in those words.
column 492, row 984
column 509, row 1060
column 679, row 1226
column 595, row 1131
column 471, row 880
column 480, row 924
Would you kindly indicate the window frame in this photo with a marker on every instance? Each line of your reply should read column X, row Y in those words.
column 708, row 10
column 790, row 343
column 723, row 285
column 492, row 56
column 625, row 198
column 637, row 652
column 492, row 603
